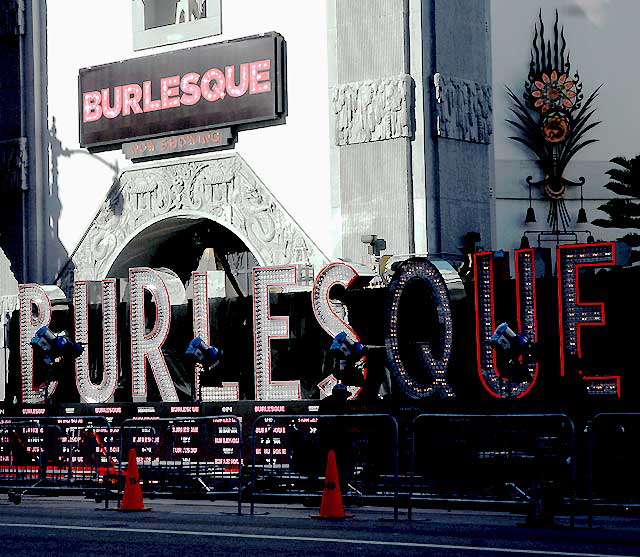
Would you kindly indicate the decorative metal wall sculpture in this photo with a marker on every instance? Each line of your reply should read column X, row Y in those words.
column 553, row 121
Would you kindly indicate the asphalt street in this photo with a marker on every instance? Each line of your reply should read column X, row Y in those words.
column 77, row 526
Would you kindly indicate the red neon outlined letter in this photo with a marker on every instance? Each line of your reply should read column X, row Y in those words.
column 574, row 314
column 490, row 377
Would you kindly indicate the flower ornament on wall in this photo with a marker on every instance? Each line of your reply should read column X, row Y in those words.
column 553, row 121
column 553, row 92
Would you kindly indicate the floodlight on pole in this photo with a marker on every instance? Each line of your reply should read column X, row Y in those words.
column 54, row 348
column 207, row 357
column 348, row 354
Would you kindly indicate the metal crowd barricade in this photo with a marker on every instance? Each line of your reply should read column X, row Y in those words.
column 192, row 456
column 511, row 458
column 55, row 455
column 289, row 454
column 612, row 461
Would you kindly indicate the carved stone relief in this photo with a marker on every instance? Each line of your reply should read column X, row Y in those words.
column 373, row 110
column 463, row 109
column 11, row 17
column 13, row 161
column 223, row 189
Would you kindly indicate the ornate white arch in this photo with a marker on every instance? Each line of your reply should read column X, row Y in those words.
column 220, row 187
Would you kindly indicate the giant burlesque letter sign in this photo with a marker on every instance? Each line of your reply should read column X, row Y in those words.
column 32, row 297
column 228, row 391
column 436, row 368
column 146, row 347
column 575, row 314
column 497, row 384
column 88, row 390
column 265, row 328
column 332, row 275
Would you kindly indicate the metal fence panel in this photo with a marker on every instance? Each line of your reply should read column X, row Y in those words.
column 612, row 462
column 195, row 456
column 493, row 457
column 54, row 455
column 289, row 454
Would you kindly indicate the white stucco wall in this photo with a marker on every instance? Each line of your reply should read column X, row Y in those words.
column 292, row 160
column 8, row 304
column 600, row 35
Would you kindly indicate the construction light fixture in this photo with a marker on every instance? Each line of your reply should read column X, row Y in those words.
column 511, row 344
column 349, row 349
column 348, row 355
column 55, row 347
column 376, row 245
column 207, row 356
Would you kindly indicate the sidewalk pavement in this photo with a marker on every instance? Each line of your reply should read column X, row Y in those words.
column 461, row 517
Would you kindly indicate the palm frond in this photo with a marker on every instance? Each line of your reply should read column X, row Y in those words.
column 521, row 107
column 621, row 189
column 578, row 124
column 625, row 176
column 622, row 161
column 627, row 206
column 632, row 239
column 578, row 134
column 604, row 223
column 521, row 127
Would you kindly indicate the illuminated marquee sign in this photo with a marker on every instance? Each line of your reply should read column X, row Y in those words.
column 575, row 314
column 228, row 391
column 267, row 327
column 497, row 384
column 332, row 275
column 421, row 377
column 89, row 391
column 235, row 83
column 32, row 297
column 422, row 270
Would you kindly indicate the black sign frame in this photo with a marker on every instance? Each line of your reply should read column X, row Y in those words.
column 246, row 111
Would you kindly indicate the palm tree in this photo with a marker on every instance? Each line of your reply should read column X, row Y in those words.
column 624, row 212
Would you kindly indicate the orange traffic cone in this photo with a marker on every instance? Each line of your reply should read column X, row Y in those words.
column 132, row 499
column 331, row 506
